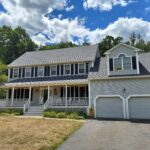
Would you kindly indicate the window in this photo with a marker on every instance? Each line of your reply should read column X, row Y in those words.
column 28, row 72
column 16, row 73
column 81, row 68
column 40, row 71
column 117, row 64
column 53, row 70
column 122, row 62
column 127, row 63
column 67, row 69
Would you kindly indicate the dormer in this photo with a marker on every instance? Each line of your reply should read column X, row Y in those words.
column 122, row 60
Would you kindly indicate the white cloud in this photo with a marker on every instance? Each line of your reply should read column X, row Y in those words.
column 147, row 10
column 31, row 15
column 105, row 5
column 70, row 8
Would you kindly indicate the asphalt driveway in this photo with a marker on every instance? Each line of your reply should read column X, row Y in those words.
column 109, row 135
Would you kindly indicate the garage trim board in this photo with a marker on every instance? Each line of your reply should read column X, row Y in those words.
column 111, row 96
column 127, row 102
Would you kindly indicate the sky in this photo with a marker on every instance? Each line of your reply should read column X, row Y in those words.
column 78, row 21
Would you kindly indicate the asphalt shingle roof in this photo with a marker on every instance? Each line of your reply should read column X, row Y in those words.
column 54, row 78
column 76, row 54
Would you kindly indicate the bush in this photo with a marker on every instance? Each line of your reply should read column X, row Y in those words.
column 61, row 115
column 51, row 114
column 65, row 114
column 11, row 111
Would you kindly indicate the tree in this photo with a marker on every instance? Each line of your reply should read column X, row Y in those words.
column 108, row 42
column 132, row 39
column 59, row 46
column 13, row 43
column 3, row 78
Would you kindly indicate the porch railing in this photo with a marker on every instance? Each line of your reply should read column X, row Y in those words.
column 71, row 101
column 15, row 103
column 26, row 106
column 46, row 104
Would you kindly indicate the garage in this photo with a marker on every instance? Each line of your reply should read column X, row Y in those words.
column 139, row 107
column 109, row 107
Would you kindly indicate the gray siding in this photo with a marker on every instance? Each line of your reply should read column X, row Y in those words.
column 123, row 72
column 124, row 50
column 116, row 87
column 139, row 107
column 109, row 108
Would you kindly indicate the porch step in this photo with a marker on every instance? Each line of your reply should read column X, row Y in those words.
column 34, row 111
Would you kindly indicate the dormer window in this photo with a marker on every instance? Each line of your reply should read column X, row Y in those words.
column 122, row 62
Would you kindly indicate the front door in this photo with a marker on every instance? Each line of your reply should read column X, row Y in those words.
column 43, row 96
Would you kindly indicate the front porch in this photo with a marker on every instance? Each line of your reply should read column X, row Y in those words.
column 56, row 96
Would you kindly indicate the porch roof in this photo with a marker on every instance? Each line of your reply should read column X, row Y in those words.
column 61, row 80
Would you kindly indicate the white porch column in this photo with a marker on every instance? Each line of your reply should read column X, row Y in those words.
column 48, row 92
column 30, row 90
column 12, row 96
column 66, row 96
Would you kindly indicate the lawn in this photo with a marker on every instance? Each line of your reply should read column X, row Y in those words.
column 34, row 134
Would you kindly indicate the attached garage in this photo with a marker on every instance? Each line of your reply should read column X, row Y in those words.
column 139, row 107
column 109, row 107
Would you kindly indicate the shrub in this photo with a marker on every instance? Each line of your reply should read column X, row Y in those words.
column 11, row 111
column 51, row 114
column 65, row 114
column 61, row 115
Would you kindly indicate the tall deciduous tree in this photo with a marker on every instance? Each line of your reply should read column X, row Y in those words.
column 108, row 42
column 13, row 43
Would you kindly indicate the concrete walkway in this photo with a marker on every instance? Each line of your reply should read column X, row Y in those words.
column 109, row 135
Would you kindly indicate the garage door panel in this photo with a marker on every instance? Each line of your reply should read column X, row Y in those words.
column 139, row 108
column 111, row 107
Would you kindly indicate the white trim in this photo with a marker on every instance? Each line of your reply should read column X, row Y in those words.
column 137, row 63
column 109, row 96
column 108, row 67
column 122, row 44
column 127, row 102
column 25, row 72
column 12, row 96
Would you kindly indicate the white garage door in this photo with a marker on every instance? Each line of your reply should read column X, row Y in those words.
column 109, row 107
column 139, row 107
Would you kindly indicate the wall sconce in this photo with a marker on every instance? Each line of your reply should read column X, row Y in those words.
column 124, row 90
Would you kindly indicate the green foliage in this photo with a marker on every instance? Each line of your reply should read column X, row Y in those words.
column 65, row 114
column 107, row 43
column 11, row 111
column 58, row 46
column 13, row 43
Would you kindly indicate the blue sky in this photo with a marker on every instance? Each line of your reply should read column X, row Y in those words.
column 53, row 21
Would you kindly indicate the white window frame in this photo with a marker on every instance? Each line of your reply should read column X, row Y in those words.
column 51, row 70
column 65, row 69
column 17, row 73
column 84, row 68
column 26, row 72
column 122, row 62
column 40, row 67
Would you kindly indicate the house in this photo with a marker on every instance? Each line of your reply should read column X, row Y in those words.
column 115, row 86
